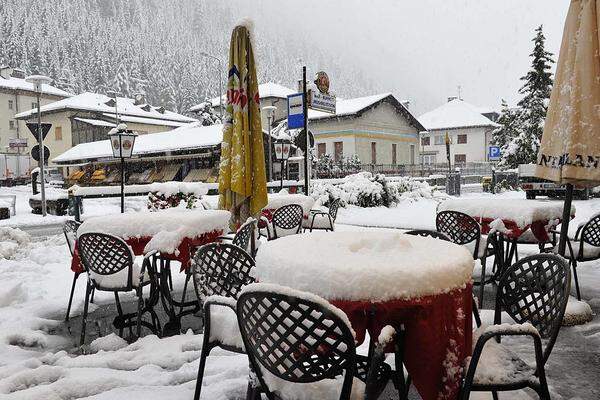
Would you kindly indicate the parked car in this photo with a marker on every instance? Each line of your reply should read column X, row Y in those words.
column 534, row 186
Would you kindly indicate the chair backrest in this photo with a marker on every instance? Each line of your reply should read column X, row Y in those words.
column 334, row 206
column 590, row 232
column 459, row 227
column 296, row 336
column 244, row 234
column 428, row 233
column 221, row 269
column 70, row 230
column 536, row 290
column 105, row 254
column 288, row 217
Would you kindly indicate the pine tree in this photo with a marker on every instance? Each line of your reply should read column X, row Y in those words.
column 536, row 89
column 509, row 119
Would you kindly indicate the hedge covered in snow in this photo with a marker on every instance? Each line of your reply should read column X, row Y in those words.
column 176, row 195
column 367, row 190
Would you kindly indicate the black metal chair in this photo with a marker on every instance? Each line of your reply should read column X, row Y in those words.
column 70, row 230
column 465, row 230
column 535, row 290
column 242, row 237
column 300, row 338
column 110, row 265
column 219, row 269
column 584, row 247
column 287, row 220
column 322, row 220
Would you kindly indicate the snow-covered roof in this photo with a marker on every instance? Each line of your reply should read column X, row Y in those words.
column 147, row 121
column 191, row 136
column 96, row 102
column 22, row 84
column 349, row 106
column 95, row 122
column 265, row 90
column 455, row 114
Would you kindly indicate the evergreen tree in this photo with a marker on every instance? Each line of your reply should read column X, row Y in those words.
column 523, row 147
column 207, row 115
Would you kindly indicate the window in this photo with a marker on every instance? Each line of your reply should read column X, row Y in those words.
column 373, row 153
column 338, row 151
column 439, row 139
column 58, row 133
column 33, row 105
column 428, row 159
column 10, row 104
column 460, row 158
column 394, row 161
column 425, row 141
column 321, row 149
column 12, row 125
column 461, row 139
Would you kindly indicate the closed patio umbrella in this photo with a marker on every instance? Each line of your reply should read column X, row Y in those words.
column 242, row 179
column 570, row 147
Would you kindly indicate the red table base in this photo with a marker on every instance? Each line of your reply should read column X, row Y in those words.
column 138, row 244
column 438, row 336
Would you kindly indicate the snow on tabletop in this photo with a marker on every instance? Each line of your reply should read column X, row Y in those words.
column 522, row 212
column 52, row 194
column 277, row 200
column 373, row 265
column 167, row 227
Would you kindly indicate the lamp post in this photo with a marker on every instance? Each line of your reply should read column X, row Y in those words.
column 37, row 81
column 282, row 153
column 270, row 110
column 204, row 54
column 122, row 141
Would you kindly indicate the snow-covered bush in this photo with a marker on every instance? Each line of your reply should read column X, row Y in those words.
column 11, row 240
column 176, row 195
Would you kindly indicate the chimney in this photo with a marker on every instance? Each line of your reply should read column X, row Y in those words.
column 139, row 99
column 18, row 73
column 450, row 98
column 406, row 104
column 5, row 72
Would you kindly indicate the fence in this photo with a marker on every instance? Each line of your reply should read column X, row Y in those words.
column 417, row 170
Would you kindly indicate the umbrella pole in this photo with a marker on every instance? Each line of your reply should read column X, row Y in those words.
column 566, row 217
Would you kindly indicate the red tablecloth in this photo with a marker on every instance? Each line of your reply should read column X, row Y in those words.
column 438, row 336
column 538, row 228
column 138, row 244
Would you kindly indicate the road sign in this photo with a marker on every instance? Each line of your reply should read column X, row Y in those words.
column 34, row 131
column 295, row 111
column 494, row 153
column 35, row 153
column 321, row 101
column 14, row 143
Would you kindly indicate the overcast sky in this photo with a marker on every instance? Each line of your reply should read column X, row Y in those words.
column 422, row 50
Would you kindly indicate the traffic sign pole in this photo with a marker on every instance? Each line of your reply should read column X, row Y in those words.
column 305, row 110
column 41, row 161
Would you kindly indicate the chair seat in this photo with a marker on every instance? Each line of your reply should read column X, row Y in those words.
column 321, row 221
column 589, row 252
column 269, row 233
column 224, row 327
column 499, row 365
column 119, row 279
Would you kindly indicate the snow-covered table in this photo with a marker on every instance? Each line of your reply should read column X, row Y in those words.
column 278, row 200
column 381, row 278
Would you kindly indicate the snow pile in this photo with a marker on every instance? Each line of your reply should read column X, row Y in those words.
column 52, row 194
column 110, row 342
column 375, row 265
column 577, row 313
column 365, row 190
column 11, row 240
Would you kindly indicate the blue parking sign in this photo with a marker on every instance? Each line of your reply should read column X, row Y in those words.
column 494, row 152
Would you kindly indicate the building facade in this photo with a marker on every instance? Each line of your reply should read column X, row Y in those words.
column 469, row 131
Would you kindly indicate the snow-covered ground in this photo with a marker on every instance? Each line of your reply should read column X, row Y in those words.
column 38, row 360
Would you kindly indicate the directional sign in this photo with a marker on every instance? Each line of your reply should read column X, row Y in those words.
column 35, row 153
column 34, row 131
column 494, row 153
column 295, row 111
column 321, row 101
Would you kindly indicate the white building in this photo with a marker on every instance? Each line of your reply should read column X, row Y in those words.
column 469, row 128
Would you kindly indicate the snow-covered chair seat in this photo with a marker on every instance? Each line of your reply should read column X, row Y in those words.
column 300, row 346
column 534, row 293
column 110, row 265
column 322, row 218
column 219, row 272
column 286, row 220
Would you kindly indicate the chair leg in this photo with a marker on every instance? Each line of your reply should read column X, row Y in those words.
column 85, row 314
column 93, row 293
column 188, row 275
column 75, row 276
column 139, row 312
column 494, row 395
column 170, row 280
column 574, row 265
column 403, row 385
column 203, row 355
column 482, row 281
column 252, row 393
column 120, row 311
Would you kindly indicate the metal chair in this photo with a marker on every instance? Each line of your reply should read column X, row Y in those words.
column 219, row 269
column 322, row 220
column 465, row 230
column 300, row 338
column 70, row 231
column 110, row 265
column 587, row 246
column 534, row 292
column 243, row 236
column 287, row 220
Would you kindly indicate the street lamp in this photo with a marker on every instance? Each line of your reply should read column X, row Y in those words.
column 122, row 141
column 270, row 110
column 38, row 81
column 204, row 54
column 282, row 152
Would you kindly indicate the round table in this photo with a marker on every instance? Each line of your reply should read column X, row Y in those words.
column 380, row 278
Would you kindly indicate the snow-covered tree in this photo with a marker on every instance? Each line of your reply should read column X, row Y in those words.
column 207, row 115
column 509, row 129
column 529, row 122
